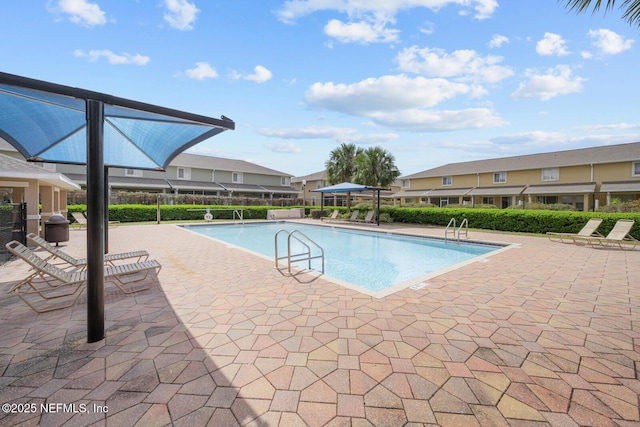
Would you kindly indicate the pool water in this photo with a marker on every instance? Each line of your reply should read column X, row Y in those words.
column 368, row 259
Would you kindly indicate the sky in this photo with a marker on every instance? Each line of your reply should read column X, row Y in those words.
column 430, row 81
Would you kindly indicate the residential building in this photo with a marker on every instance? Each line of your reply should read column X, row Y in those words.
column 189, row 174
column 584, row 178
column 306, row 184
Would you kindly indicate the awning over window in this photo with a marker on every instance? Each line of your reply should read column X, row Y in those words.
column 497, row 191
column 620, row 187
column 410, row 193
column 583, row 188
column 449, row 192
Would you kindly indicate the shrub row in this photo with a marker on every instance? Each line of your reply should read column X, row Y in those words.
column 144, row 213
column 522, row 220
column 526, row 221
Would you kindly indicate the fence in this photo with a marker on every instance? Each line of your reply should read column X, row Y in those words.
column 142, row 198
column 13, row 226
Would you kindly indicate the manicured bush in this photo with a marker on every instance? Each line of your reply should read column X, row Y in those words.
column 521, row 220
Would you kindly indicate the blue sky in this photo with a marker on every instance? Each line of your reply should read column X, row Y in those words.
column 431, row 81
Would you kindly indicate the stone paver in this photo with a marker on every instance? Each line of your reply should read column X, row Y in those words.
column 542, row 334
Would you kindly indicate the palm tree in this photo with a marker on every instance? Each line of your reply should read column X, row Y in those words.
column 631, row 8
column 376, row 167
column 341, row 166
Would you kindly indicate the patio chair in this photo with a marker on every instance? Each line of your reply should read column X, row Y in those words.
column 589, row 230
column 334, row 216
column 369, row 218
column 52, row 284
column 80, row 219
column 354, row 216
column 618, row 235
column 62, row 257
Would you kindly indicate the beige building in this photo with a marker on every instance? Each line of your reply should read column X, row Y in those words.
column 584, row 178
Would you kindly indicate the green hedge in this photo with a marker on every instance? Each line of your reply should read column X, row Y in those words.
column 143, row 213
column 525, row 221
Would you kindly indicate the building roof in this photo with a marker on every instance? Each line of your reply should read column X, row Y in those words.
column 220, row 163
column 316, row 176
column 583, row 156
column 13, row 168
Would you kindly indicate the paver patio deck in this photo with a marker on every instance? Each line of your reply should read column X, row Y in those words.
column 547, row 334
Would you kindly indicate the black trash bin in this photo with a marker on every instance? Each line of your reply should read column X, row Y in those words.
column 56, row 229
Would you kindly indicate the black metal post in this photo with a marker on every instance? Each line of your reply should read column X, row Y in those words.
column 106, row 209
column 378, row 213
column 95, row 220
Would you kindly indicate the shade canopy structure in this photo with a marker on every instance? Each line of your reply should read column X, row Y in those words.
column 61, row 124
column 348, row 187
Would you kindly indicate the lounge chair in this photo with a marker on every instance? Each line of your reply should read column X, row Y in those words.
column 618, row 235
column 63, row 258
column 369, row 217
column 354, row 216
column 82, row 220
column 334, row 216
column 51, row 283
column 589, row 230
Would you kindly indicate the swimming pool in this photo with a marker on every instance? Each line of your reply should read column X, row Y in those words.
column 377, row 263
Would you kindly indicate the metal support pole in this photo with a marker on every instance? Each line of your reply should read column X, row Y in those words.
column 95, row 220
column 106, row 209
column 378, row 213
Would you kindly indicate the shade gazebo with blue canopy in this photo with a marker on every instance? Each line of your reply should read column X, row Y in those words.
column 348, row 187
column 48, row 122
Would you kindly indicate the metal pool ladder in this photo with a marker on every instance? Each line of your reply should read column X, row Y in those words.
column 305, row 255
column 451, row 229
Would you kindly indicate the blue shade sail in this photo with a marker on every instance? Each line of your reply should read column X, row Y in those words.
column 48, row 122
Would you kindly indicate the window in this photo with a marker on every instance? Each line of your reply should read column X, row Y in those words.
column 499, row 177
column 236, row 177
column 636, row 169
column 284, row 181
column 132, row 172
column 487, row 200
column 447, row 180
column 184, row 173
column 551, row 174
column 406, row 183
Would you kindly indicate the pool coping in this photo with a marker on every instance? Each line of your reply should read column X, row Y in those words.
column 418, row 282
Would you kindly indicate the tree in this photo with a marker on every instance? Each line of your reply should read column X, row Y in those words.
column 631, row 8
column 341, row 166
column 376, row 167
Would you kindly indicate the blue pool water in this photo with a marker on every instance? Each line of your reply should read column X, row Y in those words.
column 369, row 259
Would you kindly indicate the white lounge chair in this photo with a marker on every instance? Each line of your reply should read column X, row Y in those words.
column 53, row 284
column 64, row 258
column 589, row 230
column 618, row 235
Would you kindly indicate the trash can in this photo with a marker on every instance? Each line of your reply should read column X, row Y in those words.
column 56, row 229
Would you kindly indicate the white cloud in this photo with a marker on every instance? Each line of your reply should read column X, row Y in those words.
column 467, row 65
column 82, row 12
column 202, row 71
column 552, row 44
column 497, row 41
column 260, row 75
column 386, row 9
column 386, row 93
column 360, row 32
column 283, row 147
column 609, row 42
column 112, row 58
column 438, row 121
column 181, row 14
column 401, row 102
column 555, row 82
column 309, row 132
